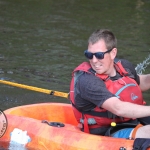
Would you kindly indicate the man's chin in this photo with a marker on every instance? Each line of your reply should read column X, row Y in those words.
column 99, row 72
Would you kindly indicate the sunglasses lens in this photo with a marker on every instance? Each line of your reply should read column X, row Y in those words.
column 99, row 55
column 88, row 55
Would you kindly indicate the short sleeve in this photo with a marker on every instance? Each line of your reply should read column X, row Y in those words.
column 91, row 90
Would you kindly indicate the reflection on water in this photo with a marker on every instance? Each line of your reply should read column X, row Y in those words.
column 43, row 41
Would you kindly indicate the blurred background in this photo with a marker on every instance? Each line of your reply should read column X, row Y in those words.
column 41, row 42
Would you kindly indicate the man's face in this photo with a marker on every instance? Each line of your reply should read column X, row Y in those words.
column 105, row 65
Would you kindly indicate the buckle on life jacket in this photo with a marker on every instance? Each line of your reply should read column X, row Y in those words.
column 90, row 121
column 86, row 122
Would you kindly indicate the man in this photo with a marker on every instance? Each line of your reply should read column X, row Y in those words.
column 107, row 90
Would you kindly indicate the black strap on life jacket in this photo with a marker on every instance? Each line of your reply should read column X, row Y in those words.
column 129, row 124
column 144, row 120
column 105, row 114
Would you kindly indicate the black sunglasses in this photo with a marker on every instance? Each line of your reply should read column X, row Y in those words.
column 98, row 55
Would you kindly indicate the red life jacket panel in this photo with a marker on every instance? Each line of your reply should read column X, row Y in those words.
column 125, row 88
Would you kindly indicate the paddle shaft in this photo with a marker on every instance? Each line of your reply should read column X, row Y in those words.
column 51, row 92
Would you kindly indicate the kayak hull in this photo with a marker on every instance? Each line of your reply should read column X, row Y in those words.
column 44, row 137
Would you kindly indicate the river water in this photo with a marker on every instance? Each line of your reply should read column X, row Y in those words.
column 41, row 42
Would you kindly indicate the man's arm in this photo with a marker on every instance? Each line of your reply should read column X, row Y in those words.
column 126, row 109
column 144, row 82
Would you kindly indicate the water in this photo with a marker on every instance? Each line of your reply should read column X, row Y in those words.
column 41, row 42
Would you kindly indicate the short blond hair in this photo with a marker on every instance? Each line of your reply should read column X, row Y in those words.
column 106, row 35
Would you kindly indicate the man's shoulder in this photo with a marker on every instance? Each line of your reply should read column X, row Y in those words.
column 130, row 68
column 89, row 78
column 125, row 63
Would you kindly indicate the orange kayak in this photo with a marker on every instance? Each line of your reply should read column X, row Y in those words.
column 52, row 126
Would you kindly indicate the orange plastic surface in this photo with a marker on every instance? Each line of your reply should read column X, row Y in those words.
column 44, row 137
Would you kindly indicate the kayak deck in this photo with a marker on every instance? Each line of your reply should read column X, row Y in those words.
column 44, row 137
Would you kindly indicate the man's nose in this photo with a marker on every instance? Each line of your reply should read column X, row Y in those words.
column 94, row 59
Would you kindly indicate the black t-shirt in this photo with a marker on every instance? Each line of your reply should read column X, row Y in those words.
column 91, row 91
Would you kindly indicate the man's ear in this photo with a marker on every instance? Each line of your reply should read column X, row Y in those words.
column 114, row 53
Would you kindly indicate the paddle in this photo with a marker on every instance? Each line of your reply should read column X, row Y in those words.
column 51, row 92
column 139, row 68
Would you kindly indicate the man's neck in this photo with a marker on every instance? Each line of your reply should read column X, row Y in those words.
column 112, row 72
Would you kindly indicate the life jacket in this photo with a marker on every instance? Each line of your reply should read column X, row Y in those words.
column 125, row 88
